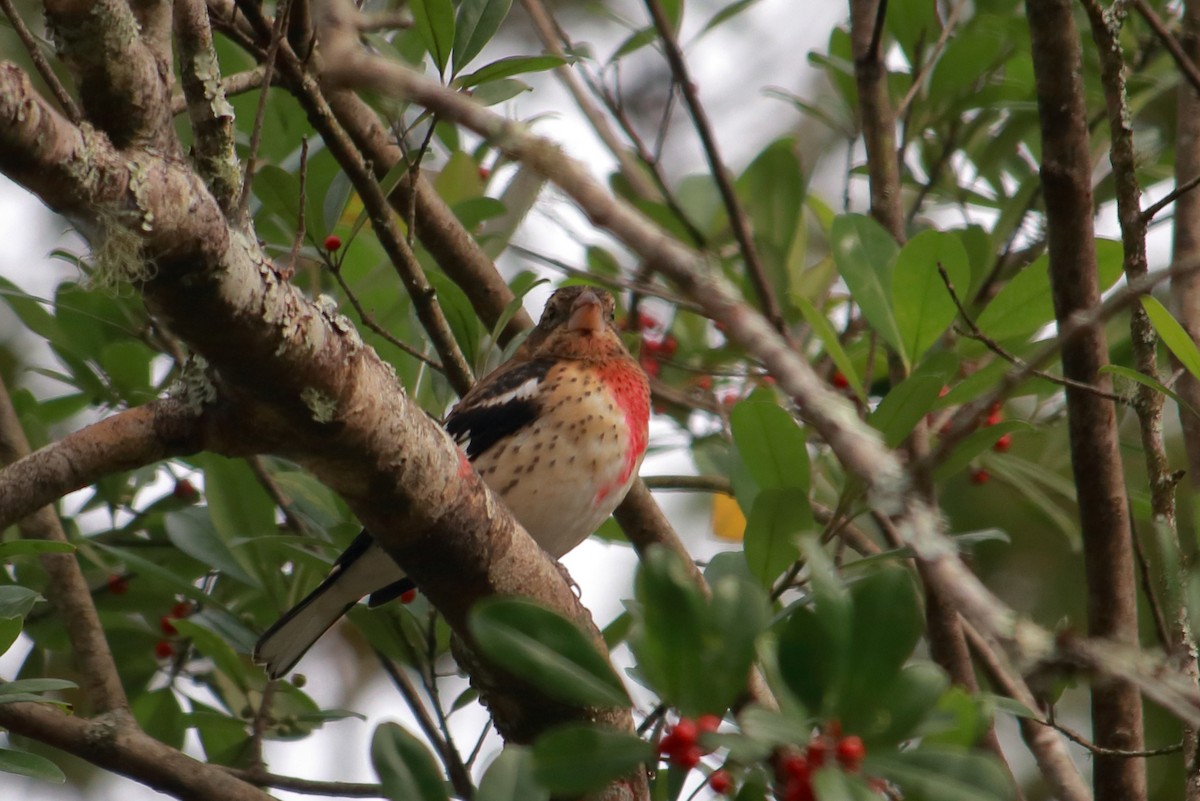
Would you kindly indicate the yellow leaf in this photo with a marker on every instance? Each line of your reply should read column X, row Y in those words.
column 728, row 522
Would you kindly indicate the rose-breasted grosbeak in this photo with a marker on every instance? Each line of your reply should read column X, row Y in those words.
column 558, row 431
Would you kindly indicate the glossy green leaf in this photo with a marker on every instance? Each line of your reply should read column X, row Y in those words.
column 1136, row 376
column 892, row 716
column 578, row 758
column 864, row 254
column 695, row 651
column 508, row 67
column 213, row 646
column 941, row 773
column 434, row 23
column 778, row 518
column 25, row 547
column 832, row 344
column 810, row 659
column 23, row 763
column 405, row 767
column 17, row 601
column 10, row 630
column 511, row 777
column 478, row 21
column 237, row 503
column 546, row 650
column 913, row 398
column 921, row 303
column 159, row 715
column 1173, row 335
column 191, row 532
column 36, row 686
column 771, row 444
column 831, row 783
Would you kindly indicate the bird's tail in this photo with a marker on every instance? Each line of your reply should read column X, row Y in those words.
column 362, row 570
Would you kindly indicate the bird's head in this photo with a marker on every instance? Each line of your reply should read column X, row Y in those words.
column 577, row 324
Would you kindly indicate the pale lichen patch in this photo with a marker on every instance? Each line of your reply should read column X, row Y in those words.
column 193, row 386
column 323, row 407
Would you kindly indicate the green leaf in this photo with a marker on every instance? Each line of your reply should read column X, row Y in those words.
column 724, row 14
column 16, row 601
column 908, row 701
column 863, row 253
column 511, row 778
column 635, row 41
column 941, row 773
column 578, row 758
column 237, row 503
column 777, row 519
column 914, row 397
column 1173, row 335
column 508, row 67
column 478, row 21
column 1022, row 306
column 770, row 444
column 493, row 92
column 1136, row 376
column 977, row 442
column 24, row 547
column 23, row 763
column 921, row 303
column 832, row 344
column 214, row 646
column 695, row 652
column 159, row 715
column 405, row 767
column 36, row 686
column 834, row 784
column 546, row 650
column 10, row 629
column 434, row 22
column 191, row 532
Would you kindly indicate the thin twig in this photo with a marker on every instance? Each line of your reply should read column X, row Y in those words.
column 715, row 484
column 1160, row 621
column 365, row 317
column 298, row 239
column 65, row 101
column 260, row 778
column 927, row 67
column 455, row 769
column 1185, row 64
column 1172, row 196
column 738, row 220
column 1100, row 750
column 995, row 347
column 260, row 115
column 258, row 727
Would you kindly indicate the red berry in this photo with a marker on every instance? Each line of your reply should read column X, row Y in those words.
column 980, row 476
column 118, row 585
column 839, row 380
column 850, row 752
column 720, row 781
column 686, row 730
column 798, row 789
column 818, row 749
column 704, row 382
column 163, row 649
column 408, row 596
column 1003, row 444
column 708, row 724
column 333, row 243
column 668, row 346
column 768, row 380
column 181, row 609
column 796, row 767
column 167, row 625
column 943, row 392
column 994, row 418
column 185, row 491
column 646, row 321
column 669, row 744
column 484, row 173
column 687, row 758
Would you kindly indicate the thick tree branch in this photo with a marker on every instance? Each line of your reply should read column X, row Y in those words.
column 210, row 113
column 1066, row 174
column 124, row 441
column 113, row 742
column 123, row 91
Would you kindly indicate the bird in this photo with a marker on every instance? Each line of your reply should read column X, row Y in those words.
column 558, row 432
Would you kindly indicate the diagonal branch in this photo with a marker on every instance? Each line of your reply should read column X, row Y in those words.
column 733, row 207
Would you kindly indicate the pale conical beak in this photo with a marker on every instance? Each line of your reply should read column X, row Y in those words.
column 587, row 313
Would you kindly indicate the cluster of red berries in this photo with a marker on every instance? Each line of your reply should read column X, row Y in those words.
column 164, row 648
column 681, row 746
column 796, row 770
column 657, row 344
column 995, row 416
